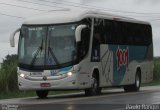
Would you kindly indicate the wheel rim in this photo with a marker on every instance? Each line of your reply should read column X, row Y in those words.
column 94, row 85
column 137, row 81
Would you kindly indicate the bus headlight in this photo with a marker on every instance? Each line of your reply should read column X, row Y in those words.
column 69, row 73
column 22, row 75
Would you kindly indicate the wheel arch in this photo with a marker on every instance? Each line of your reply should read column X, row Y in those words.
column 96, row 72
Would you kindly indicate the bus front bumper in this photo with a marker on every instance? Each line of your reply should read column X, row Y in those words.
column 67, row 83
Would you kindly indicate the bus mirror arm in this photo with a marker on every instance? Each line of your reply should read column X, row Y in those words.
column 12, row 41
column 78, row 32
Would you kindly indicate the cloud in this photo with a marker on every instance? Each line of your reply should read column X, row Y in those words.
column 87, row 1
column 153, row 2
column 6, row 49
column 9, row 24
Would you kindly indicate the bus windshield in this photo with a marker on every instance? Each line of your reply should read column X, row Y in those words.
column 47, row 46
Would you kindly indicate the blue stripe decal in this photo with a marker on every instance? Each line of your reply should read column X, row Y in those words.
column 55, row 72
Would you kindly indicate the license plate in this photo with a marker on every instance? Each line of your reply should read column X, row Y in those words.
column 45, row 85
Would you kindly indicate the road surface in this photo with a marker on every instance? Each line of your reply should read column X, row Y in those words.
column 112, row 99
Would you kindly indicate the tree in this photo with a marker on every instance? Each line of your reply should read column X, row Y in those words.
column 8, row 74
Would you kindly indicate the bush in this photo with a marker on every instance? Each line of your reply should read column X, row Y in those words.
column 8, row 74
column 156, row 72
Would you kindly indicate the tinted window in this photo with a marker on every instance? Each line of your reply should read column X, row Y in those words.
column 125, row 33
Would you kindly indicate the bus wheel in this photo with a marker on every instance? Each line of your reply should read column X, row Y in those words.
column 136, row 86
column 94, row 90
column 42, row 94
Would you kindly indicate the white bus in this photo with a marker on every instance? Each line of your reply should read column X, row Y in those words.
column 84, row 50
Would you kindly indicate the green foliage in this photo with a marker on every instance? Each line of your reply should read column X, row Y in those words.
column 8, row 74
column 156, row 75
column 16, row 94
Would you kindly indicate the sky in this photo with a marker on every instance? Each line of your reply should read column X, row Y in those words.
column 14, row 12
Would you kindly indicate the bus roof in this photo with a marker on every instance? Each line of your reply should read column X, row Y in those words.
column 68, row 16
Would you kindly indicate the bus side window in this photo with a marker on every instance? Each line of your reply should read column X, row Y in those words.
column 84, row 44
column 109, row 31
column 98, row 38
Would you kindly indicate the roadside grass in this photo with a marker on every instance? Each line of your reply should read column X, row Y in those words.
column 153, row 83
column 16, row 94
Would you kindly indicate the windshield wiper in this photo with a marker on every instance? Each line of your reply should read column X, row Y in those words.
column 37, row 52
column 53, row 55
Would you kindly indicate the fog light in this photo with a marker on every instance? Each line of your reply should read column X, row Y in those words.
column 69, row 73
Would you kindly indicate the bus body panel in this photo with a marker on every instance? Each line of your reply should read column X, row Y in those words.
column 112, row 75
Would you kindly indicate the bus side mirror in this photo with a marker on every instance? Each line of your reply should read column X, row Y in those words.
column 79, row 31
column 12, row 42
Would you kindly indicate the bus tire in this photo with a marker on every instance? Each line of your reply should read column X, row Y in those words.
column 42, row 94
column 136, row 86
column 95, row 89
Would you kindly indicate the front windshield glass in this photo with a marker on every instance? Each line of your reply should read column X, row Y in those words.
column 47, row 45
column 62, row 43
column 31, row 39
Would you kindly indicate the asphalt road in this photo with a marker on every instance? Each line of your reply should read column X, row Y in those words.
column 148, row 98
